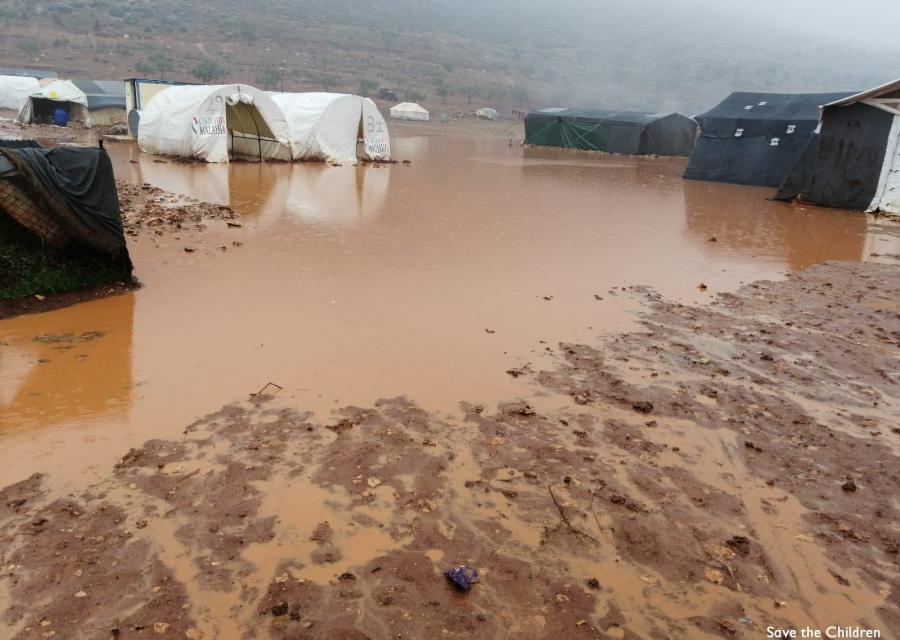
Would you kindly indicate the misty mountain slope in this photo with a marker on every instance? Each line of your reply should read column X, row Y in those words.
column 646, row 55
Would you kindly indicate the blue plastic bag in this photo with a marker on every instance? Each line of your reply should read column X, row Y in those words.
column 462, row 577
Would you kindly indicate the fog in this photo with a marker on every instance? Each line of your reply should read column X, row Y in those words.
column 648, row 54
column 645, row 55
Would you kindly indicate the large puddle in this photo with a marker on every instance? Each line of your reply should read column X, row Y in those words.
column 427, row 280
column 354, row 283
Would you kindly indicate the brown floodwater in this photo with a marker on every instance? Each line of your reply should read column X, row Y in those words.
column 353, row 283
column 427, row 280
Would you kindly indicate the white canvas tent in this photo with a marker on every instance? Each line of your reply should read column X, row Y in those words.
column 328, row 126
column 410, row 111
column 51, row 95
column 214, row 123
column 14, row 92
column 487, row 113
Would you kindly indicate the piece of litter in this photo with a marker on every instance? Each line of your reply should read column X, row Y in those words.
column 462, row 577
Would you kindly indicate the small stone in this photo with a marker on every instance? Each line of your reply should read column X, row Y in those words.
column 280, row 609
column 849, row 486
column 373, row 482
column 81, row 594
column 642, row 406
column 714, row 575
column 160, row 627
column 593, row 583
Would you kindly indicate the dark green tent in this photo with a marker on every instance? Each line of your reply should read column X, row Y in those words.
column 623, row 132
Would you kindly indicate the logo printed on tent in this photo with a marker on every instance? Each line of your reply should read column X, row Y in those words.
column 738, row 132
column 791, row 128
column 209, row 125
column 774, row 142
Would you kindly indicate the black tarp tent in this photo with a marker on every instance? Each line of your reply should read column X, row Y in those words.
column 755, row 138
column 854, row 161
column 67, row 195
column 625, row 132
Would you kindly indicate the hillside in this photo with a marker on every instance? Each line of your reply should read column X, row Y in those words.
column 442, row 52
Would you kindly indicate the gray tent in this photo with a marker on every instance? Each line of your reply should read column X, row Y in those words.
column 102, row 94
column 106, row 100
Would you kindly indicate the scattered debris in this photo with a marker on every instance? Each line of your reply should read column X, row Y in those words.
column 462, row 577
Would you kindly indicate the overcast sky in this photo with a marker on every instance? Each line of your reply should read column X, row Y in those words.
column 870, row 23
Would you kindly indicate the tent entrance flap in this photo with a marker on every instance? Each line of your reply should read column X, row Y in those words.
column 247, row 131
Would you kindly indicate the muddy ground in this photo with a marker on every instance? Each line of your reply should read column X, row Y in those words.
column 725, row 468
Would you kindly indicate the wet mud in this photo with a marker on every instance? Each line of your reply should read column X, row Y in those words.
column 713, row 471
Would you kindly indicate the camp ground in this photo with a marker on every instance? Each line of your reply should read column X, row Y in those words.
column 755, row 138
column 854, row 160
column 622, row 132
column 449, row 320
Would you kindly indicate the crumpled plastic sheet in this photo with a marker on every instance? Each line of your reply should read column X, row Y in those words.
column 462, row 577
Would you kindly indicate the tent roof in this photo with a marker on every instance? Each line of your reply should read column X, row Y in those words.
column 316, row 100
column 15, row 90
column 62, row 90
column 601, row 115
column 102, row 93
column 874, row 92
column 409, row 106
column 772, row 106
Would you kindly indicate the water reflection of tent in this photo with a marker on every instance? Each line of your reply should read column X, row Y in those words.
column 45, row 349
column 854, row 161
column 882, row 241
column 755, row 138
column 208, row 182
column 744, row 222
column 324, row 195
